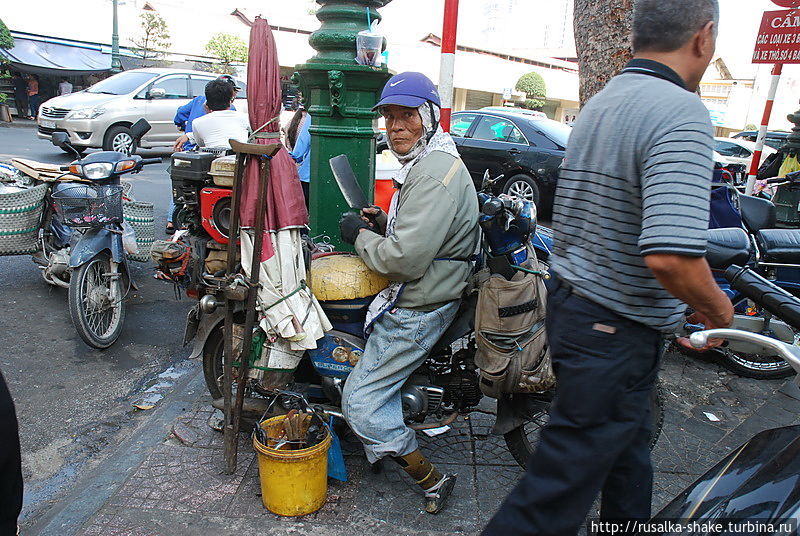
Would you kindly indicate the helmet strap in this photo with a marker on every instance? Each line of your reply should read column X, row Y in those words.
column 434, row 123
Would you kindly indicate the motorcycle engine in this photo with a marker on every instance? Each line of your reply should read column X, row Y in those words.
column 420, row 399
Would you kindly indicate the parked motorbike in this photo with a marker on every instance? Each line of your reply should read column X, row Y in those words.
column 773, row 253
column 81, row 237
column 444, row 386
column 756, row 483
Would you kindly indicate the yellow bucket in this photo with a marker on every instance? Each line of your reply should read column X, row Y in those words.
column 293, row 482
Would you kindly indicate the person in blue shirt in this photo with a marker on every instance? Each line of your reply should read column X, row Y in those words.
column 301, row 152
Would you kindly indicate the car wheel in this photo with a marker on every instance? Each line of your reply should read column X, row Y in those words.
column 523, row 187
column 119, row 138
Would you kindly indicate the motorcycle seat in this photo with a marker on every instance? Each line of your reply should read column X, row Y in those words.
column 727, row 246
column 757, row 213
column 780, row 246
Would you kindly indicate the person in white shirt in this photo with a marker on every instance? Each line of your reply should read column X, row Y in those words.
column 65, row 87
column 220, row 124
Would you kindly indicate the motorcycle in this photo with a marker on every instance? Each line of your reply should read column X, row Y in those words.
column 81, row 238
column 443, row 387
column 754, row 489
column 748, row 237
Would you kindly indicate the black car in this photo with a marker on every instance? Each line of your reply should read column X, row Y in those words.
column 774, row 139
column 526, row 150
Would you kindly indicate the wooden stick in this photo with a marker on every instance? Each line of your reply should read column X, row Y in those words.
column 252, row 292
column 230, row 439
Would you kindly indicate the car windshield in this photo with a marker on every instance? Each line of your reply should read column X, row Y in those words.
column 122, row 83
column 554, row 130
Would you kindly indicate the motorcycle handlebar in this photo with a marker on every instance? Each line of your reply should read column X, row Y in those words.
column 765, row 293
column 788, row 352
column 146, row 161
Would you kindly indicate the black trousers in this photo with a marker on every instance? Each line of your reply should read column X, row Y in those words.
column 10, row 464
column 597, row 439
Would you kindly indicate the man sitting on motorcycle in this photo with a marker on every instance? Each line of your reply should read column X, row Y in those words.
column 424, row 246
column 220, row 124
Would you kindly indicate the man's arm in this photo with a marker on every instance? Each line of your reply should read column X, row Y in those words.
column 676, row 182
column 182, row 114
column 689, row 279
column 423, row 221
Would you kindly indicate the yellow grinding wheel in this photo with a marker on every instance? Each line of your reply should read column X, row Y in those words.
column 344, row 277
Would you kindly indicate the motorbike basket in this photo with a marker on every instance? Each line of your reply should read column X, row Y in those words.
column 89, row 205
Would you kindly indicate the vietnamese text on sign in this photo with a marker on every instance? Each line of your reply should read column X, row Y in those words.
column 778, row 38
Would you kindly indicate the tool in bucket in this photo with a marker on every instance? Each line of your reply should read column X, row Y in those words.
column 302, row 428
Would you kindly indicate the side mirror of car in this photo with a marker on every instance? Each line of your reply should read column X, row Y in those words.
column 60, row 139
column 140, row 128
column 157, row 93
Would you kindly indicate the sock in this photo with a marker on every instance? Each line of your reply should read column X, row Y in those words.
column 420, row 469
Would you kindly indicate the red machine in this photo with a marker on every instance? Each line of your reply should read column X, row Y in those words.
column 215, row 212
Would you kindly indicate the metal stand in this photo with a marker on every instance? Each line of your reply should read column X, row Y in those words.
column 233, row 412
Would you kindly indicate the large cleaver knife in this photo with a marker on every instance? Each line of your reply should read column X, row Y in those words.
column 347, row 182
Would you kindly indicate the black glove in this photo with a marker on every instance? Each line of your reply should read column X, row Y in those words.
column 349, row 226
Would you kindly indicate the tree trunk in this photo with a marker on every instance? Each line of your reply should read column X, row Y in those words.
column 602, row 40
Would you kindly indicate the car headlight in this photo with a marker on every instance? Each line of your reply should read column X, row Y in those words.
column 98, row 170
column 87, row 113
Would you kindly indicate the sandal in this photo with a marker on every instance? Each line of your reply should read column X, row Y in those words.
column 436, row 497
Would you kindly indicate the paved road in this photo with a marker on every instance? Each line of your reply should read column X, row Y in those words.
column 72, row 401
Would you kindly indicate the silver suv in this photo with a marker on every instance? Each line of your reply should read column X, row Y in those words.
column 101, row 116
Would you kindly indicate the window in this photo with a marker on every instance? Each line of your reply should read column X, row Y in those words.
column 555, row 132
column 198, row 85
column 460, row 124
column 122, row 83
column 726, row 148
column 175, row 87
column 498, row 129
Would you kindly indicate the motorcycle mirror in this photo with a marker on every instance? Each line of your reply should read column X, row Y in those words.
column 140, row 128
column 60, row 139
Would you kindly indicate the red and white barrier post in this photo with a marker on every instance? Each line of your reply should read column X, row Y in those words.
column 762, row 132
column 448, row 63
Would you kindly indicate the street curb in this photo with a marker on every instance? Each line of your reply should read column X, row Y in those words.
column 92, row 491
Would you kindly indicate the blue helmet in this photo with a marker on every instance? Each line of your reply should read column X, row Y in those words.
column 409, row 89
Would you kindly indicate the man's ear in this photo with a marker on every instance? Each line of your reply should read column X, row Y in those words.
column 705, row 41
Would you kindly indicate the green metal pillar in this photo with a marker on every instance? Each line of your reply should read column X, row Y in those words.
column 339, row 95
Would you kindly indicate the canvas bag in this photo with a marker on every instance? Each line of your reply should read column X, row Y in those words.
column 512, row 351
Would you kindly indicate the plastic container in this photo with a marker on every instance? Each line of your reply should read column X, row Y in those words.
column 384, row 190
column 368, row 48
column 293, row 482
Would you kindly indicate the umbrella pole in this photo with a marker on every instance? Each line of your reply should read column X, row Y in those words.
column 227, row 382
column 252, row 293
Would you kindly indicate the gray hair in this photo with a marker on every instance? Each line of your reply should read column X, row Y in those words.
column 666, row 25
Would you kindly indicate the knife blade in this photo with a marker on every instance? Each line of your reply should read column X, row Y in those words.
column 348, row 184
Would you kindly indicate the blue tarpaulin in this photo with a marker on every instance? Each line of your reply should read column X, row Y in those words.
column 44, row 55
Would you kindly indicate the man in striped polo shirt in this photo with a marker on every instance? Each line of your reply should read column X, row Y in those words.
column 630, row 220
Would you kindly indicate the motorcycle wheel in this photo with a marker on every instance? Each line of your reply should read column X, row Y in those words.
column 756, row 366
column 521, row 441
column 213, row 351
column 96, row 316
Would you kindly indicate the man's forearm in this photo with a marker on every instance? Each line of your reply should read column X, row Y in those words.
column 689, row 279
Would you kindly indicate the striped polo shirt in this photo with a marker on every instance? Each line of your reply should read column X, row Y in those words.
column 635, row 181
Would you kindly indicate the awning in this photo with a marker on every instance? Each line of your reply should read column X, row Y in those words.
column 50, row 56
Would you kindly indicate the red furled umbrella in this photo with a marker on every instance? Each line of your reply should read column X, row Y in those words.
column 285, row 206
